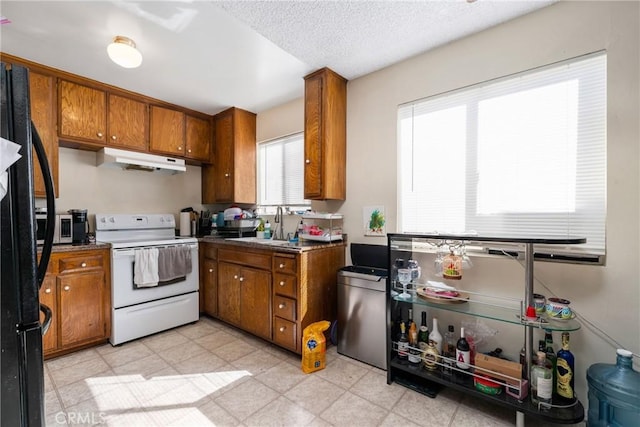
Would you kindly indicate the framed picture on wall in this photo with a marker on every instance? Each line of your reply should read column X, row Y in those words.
column 374, row 220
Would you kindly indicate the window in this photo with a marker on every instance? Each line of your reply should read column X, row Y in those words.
column 281, row 172
column 524, row 155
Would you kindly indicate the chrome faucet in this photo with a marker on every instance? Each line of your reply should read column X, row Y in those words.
column 278, row 233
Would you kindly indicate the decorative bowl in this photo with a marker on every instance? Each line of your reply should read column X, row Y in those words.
column 558, row 308
column 540, row 303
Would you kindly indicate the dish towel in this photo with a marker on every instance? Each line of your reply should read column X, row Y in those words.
column 173, row 262
column 145, row 268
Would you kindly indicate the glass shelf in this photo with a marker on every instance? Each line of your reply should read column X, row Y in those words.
column 495, row 308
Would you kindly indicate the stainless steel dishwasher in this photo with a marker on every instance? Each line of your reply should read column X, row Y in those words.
column 362, row 300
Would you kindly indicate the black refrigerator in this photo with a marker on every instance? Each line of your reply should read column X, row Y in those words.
column 21, row 363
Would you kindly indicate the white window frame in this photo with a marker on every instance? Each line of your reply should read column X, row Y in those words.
column 411, row 166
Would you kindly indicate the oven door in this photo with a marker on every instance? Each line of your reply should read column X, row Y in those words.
column 123, row 291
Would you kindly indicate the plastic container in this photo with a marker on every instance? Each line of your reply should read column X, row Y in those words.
column 614, row 392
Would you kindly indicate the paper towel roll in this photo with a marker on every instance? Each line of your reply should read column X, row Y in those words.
column 185, row 223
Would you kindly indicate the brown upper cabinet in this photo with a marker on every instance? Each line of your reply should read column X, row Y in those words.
column 176, row 133
column 167, row 131
column 128, row 123
column 82, row 113
column 198, row 138
column 42, row 90
column 232, row 177
column 93, row 115
column 325, row 136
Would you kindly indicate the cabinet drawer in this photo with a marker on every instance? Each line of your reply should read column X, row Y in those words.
column 253, row 259
column 283, row 264
column 285, row 333
column 284, row 285
column 284, row 307
column 209, row 251
column 80, row 263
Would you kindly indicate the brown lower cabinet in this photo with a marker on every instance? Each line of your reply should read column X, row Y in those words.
column 270, row 293
column 77, row 289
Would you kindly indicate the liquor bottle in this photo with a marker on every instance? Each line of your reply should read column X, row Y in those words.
column 410, row 319
column 403, row 344
column 414, row 352
column 423, row 333
column 551, row 356
column 564, row 373
column 523, row 362
column 541, row 380
column 449, row 350
column 463, row 352
column 435, row 337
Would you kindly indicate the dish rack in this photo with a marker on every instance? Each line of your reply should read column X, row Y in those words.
column 322, row 227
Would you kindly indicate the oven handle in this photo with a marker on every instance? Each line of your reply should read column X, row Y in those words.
column 127, row 252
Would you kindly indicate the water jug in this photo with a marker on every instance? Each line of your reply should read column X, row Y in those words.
column 614, row 393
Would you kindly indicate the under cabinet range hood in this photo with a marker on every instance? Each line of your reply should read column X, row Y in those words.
column 132, row 160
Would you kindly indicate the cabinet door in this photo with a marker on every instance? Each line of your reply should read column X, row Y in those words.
column 48, row 298
column 128, row 123
column 81, row 305
column 223, row 161
column 313, row 138
column 256, row 302
column 82, row 112
column 166, row 131
column 198, row 138
column 42, row 93
column 229, row 293
column 210, row 284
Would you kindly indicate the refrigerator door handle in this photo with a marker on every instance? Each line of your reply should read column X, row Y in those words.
column 51, row 207
column 48, row 315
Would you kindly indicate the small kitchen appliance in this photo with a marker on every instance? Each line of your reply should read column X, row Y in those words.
column 79, row 226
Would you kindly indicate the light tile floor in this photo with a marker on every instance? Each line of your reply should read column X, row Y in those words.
column 210, row 374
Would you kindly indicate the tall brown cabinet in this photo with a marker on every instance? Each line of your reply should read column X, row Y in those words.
column 325, row 135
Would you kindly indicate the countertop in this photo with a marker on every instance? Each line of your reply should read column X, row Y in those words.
column 76, row 248
column 301, row 246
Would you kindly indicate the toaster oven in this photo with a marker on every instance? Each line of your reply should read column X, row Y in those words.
column 63, row 230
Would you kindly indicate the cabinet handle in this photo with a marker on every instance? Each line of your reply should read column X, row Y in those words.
column 281, row 266
column 211, row 270
column 235, row 276
column 226, row 175
column 67, row 288
column 241, row 279
column 189, row 150
column 282, row 328
column 84, row 264
column 47, row 291
column 99, row 134
column 282, row 283
column 179, row 148
column 307, row 161
column 114, row 137
column 281, row 306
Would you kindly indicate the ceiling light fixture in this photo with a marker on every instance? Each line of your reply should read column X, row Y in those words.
column 124, row 53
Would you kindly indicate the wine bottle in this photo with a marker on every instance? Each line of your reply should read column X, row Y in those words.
column 564, row 373
column 414, row 352
column 435, row 337
column 449, row 350
column 541, row 380
column 403, row 344
column 423, row 333
column 463, row 352
column 551, row 357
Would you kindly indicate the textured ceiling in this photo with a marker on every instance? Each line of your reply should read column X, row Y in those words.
column 209, row 55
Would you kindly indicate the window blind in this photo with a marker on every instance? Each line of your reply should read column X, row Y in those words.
column 523, row 155
column 281, row 172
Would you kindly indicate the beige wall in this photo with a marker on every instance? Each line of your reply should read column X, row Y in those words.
column 608, row 296
column 106, row 190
